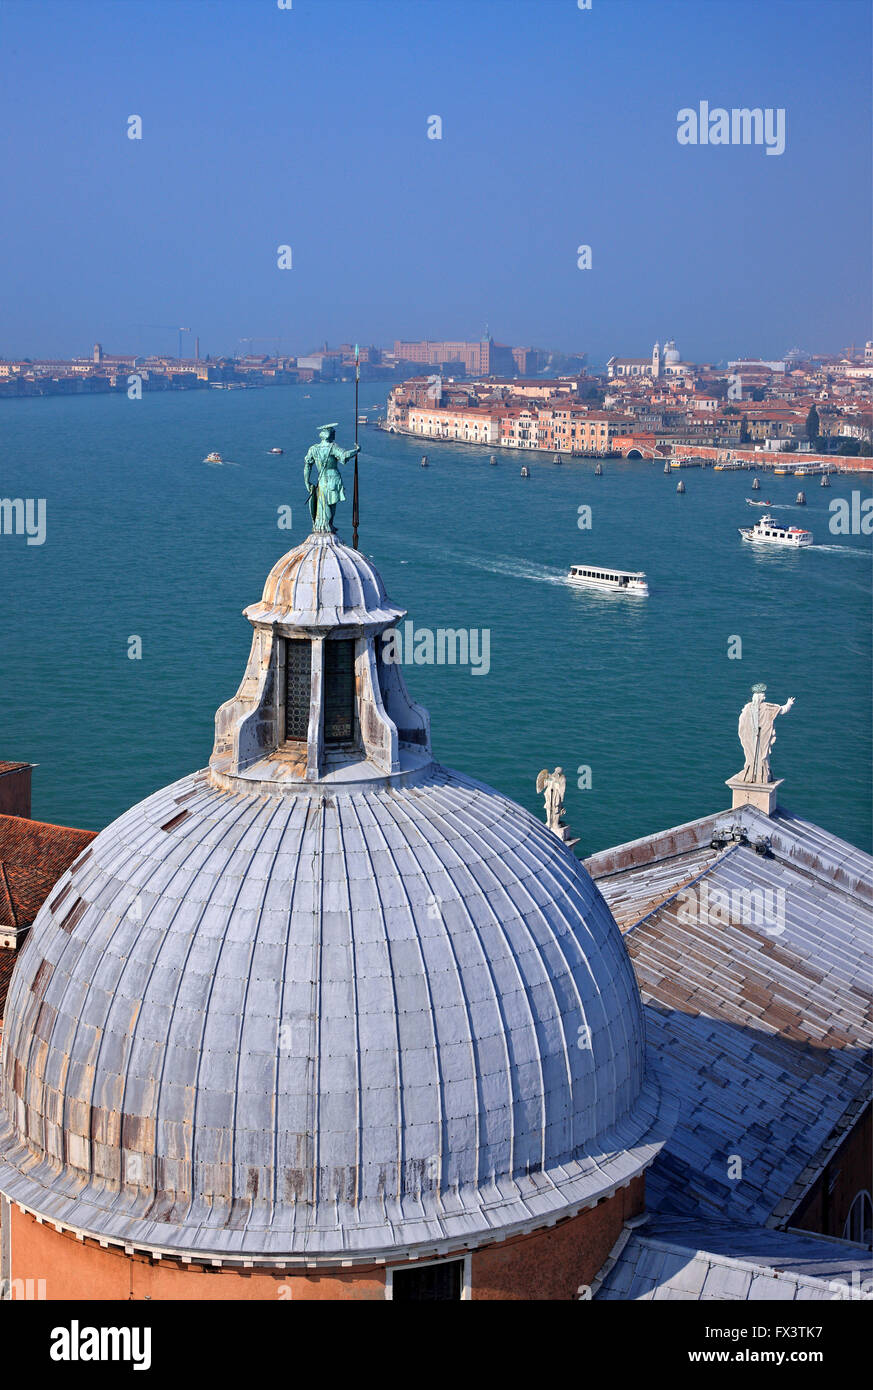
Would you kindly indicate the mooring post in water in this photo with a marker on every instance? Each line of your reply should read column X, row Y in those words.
column 355, row 489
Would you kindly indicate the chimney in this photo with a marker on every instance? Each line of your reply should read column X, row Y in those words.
column 15, row 789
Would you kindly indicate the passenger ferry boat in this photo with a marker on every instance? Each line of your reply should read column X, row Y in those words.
column 768, row 531
column 213, row 458
column 620, row 581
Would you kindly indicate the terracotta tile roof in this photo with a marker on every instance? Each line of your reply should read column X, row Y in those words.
column 33, row 855
column 12, row 767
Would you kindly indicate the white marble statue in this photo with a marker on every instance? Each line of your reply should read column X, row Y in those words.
column 553, row 785
column 757, row 736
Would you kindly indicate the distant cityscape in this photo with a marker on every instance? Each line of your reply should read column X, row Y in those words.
column 655, row 406
column 489, row 393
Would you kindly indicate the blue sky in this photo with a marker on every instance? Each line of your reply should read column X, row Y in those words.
column 308, row 127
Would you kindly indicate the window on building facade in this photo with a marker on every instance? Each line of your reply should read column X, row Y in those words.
column 298, row 674
column 339, row 691
column 442, row 1282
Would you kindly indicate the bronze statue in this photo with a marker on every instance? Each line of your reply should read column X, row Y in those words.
column 326, row 456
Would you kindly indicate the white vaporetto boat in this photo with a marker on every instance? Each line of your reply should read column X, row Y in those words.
column 768, row 531
column 618, row 581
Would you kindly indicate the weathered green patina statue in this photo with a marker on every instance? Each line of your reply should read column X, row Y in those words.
column 328, row 489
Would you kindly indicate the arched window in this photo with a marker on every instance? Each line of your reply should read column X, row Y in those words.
column 859, row 1222
column 298, row 678
column 339, row 691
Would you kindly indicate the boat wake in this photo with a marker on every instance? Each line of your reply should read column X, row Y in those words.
column 513, row 568
column 842, row 550
column 225, row 463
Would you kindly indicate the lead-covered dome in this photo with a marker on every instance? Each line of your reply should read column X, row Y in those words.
column 360, row 1014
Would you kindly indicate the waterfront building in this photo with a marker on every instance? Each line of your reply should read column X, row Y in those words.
column 473, row 425
column 482, row 358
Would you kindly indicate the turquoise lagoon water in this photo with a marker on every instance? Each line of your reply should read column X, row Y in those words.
column 145, row 539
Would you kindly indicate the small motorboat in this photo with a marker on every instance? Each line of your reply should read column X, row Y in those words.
column 825, row 480
column 557, row 459
column 362, row 419
column 493, row 461
column 666, row 468
column 525, row 472
column 424, row 460
column 752, row 502
column 800, row 499
column 598, row 472
column 769, row 531
column 213, row 458
column 276, row 450
column 680, row 486
column 755, row 484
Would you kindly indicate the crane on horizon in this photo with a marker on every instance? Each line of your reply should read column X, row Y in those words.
column 167, row 328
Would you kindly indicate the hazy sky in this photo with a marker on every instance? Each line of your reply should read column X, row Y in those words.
column 308, row 127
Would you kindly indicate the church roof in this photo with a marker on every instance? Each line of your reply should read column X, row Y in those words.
column 670, row 1259
column 328, row 1018
column 765, row 1035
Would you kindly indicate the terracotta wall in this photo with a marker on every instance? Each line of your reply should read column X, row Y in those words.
column 550, row 1264
column 827, row 1206
column 553, row 1263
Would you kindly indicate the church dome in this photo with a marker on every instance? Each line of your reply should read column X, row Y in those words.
column 347, row 1014
column 671, row 354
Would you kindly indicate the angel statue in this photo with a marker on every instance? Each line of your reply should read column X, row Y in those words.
column 553, row 785
column 326, row 456
column 756, row 734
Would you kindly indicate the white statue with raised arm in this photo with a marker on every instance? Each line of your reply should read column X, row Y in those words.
column 757, row 736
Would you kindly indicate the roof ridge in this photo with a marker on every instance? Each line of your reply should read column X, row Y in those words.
column 735, row 1261
column 7, row 888
column 48, row 824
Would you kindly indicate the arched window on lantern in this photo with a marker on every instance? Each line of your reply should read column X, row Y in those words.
column 298, row 684
column 339, row 692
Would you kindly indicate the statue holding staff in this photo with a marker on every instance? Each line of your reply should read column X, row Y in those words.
column 326, row 457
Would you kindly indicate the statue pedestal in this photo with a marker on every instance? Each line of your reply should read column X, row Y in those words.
column 564, row 833
column 762, row 795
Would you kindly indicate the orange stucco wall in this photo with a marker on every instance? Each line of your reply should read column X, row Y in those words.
column 549, row 1264
column 553, row 1263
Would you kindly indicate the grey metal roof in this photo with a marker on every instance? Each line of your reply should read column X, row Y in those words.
column 674, row 1260
column 321, row 584
column 276, row 1026
column 765, row 1037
